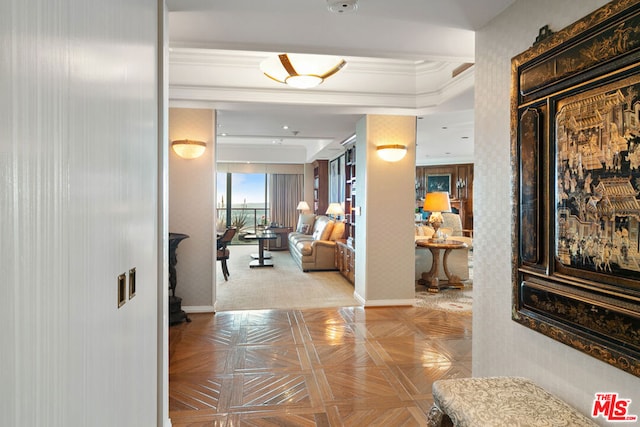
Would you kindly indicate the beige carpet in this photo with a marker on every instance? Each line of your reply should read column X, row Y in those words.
column 283, row 286
column 286, row 287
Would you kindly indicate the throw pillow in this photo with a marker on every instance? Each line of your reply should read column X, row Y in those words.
column 303, row 228
column 306, row 219
column 338, row 231
column 326, row 232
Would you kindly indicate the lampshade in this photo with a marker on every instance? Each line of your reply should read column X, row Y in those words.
column 300, row 70
column 437, row 202
column 303, row 206
column 335, row 209
column 391, row 152
column 188, row 149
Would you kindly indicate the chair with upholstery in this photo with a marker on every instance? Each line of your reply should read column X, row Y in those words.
column 222, row 252
column 454, row 223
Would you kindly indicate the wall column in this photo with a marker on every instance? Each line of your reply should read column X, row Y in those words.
column 385, row 195
column 192, row 208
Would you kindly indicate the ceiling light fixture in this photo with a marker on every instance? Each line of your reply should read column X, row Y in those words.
column 188, row 149
column 391, row 152
column 300, row 70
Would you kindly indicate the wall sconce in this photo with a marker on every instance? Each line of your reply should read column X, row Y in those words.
column 188, row 149
column 391, row 152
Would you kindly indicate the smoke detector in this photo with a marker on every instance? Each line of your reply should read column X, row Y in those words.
column 342, row 6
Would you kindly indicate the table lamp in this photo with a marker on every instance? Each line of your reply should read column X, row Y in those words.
column 303, row 207
column 335, row 209
column 436, row 203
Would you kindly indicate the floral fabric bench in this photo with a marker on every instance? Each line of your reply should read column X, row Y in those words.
column 499, row 402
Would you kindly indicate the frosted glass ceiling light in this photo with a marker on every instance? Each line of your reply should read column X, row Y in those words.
column 392, row 152
column 301, row 71
column 188, row 149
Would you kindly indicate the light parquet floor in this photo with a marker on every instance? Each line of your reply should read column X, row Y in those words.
column 319, row 367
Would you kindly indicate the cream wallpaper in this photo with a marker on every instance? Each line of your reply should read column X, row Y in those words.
column 500, row 346
column 191, row 206
column 78, row 207
column 385, row 263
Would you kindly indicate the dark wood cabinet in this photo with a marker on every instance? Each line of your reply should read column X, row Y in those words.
column 346, row 260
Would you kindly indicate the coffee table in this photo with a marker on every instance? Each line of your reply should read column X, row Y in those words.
column 431, row 278
column 261, row 236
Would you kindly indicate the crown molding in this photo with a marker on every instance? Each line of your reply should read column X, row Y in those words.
column 234, row 76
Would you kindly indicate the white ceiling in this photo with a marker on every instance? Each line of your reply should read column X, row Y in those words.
column 400, row 57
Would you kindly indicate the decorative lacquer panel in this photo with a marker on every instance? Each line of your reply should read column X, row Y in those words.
column 576, row 149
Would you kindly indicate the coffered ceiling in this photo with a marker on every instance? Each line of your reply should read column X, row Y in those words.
column 401, row 59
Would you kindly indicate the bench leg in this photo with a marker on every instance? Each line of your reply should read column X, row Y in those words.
column 437, row 418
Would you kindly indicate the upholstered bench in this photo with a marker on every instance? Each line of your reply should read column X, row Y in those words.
column 499, row 402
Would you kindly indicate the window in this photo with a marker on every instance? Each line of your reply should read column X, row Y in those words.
column 249, row 207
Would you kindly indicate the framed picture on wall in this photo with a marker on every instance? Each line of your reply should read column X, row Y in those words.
column 441, row 182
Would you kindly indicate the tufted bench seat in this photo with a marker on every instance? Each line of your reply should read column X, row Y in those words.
column 499, row 402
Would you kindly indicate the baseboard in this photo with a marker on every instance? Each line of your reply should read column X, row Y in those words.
column 384, row 302
column 199, row 309
column 390, row 303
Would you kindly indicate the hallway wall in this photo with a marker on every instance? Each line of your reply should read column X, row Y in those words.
column 78, row 207
column 500, row 345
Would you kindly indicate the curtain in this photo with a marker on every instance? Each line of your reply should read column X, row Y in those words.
column 285, row 191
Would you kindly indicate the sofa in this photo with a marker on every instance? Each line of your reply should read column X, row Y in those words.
column 458, row 260
column 313, row 245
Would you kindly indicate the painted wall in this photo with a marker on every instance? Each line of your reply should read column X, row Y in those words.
column 385, row 254
column 78, row 207
column 500, row 346
column 191, row 207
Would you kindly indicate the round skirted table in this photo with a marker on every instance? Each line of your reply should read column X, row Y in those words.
column 430, row 279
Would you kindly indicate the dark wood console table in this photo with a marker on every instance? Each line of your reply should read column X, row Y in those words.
column 280, row 243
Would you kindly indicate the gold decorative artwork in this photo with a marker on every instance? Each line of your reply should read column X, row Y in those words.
column 576, row 151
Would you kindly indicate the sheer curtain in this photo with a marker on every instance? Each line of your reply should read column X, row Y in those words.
column 285, row 191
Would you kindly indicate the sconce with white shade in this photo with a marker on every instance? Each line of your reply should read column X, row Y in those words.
column 189, row 149
column 300, row 70
column 335, row 209
column 303, row 207
column 436, row 202
column 391, row 152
